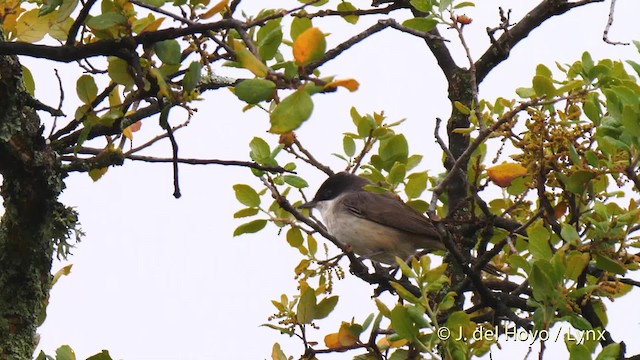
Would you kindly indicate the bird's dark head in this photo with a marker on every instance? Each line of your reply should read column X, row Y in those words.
column 335, row 186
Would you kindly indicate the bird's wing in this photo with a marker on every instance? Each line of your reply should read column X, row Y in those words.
column 390, row 212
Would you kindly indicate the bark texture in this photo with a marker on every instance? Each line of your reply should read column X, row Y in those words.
column 32, row 219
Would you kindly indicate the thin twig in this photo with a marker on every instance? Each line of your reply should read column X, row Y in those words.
column 357, row 12
column 164, row 12
column 61, row 100
column 472, row 71
column 605, row 34
column 191, row 161
column 82, row 15
column 73, row 124
column 309, row 158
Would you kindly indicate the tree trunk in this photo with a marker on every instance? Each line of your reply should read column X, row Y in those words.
column 33, row 218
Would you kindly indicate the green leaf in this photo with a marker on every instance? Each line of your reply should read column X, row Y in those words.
column 106, row 21
column 462, row 108
column 416, row 184
column 347, row 6
column 349, row 146
column 525, row 93
column 422, row 5
column 103, row 355
column 250, row 227
column 543, row 86
column 630, row 121
column 326, row 306
column 577, row 322
column 299, row 25
column 254, row 91
column 404, row 293
column 260, row 151
column 587, row 61
column 245, row 213
column 570, row 234
column 49, row 7
column 444, row 5
column 27, row 79
column 544, row 71
column 539, row 242
column 269, row 39
column 168, row 51
column 118, row 71
column 291, row 112
column 577, row 182
column 608, row 264
column 306, row 310
column 87, row 89
column 392, row 150
column 416, row 314
column 295, row 181
column 192, row 76
column 397, row 173
column 402, row 324
column 246, row 195
column 312, row 244
column 294, row 237
column 610, row 352
column 541, row 281
column 464, row 4
column 579, row 352
column 65, row 352
column 421, row 24
column 66, row 9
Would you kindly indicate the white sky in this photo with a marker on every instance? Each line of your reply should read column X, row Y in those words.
column 160, row 278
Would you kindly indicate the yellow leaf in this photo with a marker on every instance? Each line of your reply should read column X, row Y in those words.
column 503, row 174
column 350, row 84
column 309, row 46
column 215, row 9
column 331, row 341
column 9, row 22
column 249, row 61
column 31, row 27
column 96, row 174
column 129, row 130
column 64, row 271
column 152, row 26
column 163, row 88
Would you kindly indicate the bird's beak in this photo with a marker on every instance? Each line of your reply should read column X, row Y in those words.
column 308, row 205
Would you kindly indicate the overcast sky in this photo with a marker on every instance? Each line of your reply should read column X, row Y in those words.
column 160, row 278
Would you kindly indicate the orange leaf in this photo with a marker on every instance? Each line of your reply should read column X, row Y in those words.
column 331, row 341
column 350, row 84
column 215, row 9
column 560, row 209
column 129, row 130
column 287, row 138
column 503, row 174
column 309, row 46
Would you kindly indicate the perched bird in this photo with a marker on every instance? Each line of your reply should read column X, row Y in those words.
column 376, row 226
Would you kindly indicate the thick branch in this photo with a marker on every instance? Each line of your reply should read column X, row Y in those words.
column 111, row 47
column 499, row 50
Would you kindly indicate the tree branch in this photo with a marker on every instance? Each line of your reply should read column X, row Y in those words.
column 499, row 51
column 111, row 47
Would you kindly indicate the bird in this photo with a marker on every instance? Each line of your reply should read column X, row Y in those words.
column 378, row 227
